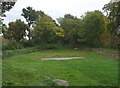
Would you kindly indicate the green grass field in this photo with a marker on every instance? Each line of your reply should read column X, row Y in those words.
column 28, row 70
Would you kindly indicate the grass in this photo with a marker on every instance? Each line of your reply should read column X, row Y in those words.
column 28, row 70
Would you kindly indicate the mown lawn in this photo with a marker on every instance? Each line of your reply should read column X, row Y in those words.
column 93, row 70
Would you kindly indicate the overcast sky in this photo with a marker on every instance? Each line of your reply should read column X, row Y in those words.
column 55, row 8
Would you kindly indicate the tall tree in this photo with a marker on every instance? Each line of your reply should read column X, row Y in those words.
column 72, row 26
column 16, row 30
column 5, row 6
column 46, row 30
column 113, row 13
column 93, row 26
column 30, row 15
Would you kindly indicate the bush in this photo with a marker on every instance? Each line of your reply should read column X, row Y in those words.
column 12, row 45
column 8, row 83
column 27, row 43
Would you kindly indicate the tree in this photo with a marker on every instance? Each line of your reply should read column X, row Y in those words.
column 4, row 6
column 16, row 30
column 72, row 26
column 113, row 13
column 46, row 30
column 105, row 37
column 93, row 26
column 30, row 15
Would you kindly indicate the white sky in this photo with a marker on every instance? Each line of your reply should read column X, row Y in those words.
column 55, row 8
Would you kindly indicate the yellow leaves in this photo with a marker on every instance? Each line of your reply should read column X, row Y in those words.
column 58, row 31
column 59, row 34
column 45, row 23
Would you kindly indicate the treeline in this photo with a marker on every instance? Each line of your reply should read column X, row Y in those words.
column 93, row 29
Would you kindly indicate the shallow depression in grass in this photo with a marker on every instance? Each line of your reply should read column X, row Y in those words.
column 65, row 58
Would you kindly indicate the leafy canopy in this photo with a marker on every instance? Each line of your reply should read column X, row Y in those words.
column 93, row 26
column 46, row 30
column 16, row 30
column 72, row 26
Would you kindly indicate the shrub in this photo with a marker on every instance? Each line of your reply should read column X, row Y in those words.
column 8, row 83
column 27, row 43
column 12, row 45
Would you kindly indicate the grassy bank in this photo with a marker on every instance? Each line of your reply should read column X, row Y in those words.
column 32, row 48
